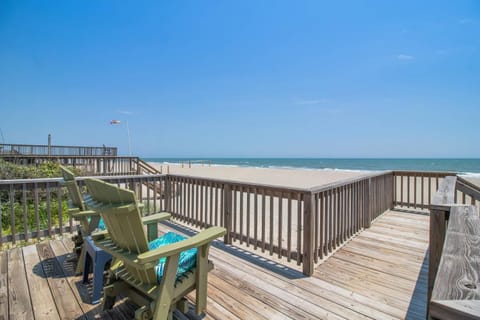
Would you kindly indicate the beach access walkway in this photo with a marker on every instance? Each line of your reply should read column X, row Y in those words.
column 380, row 274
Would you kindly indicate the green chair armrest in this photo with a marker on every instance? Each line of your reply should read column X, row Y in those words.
column 196, row 241
column 157, row 217
column 85, row 214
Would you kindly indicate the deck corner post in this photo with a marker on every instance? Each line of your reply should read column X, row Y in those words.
column 308, row 233
column 227, row 211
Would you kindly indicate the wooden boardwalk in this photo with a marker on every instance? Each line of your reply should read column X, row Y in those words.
column 380, row 274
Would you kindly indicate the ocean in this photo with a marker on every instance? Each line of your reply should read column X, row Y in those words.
column 470, row 167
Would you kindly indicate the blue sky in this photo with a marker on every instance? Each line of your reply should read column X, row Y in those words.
column 244, row 78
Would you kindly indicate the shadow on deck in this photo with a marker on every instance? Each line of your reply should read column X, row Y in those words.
column 380, row 274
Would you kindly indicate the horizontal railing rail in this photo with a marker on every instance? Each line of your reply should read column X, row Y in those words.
column 54, row 150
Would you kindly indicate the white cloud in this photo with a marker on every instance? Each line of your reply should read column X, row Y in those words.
column 125, row 112
column 405, row 57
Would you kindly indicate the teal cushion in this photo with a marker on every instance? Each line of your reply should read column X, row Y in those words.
column 188, row 258
column 101, row 225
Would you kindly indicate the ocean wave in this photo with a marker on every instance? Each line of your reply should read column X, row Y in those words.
column 469, row 174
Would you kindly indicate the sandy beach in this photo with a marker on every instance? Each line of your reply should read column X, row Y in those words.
column 296, row 178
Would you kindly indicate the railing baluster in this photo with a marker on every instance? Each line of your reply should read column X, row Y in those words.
column 299, row 228
column 37, row 215
column 280, row 225
column 241, row 214
column 60, row 208
column 24, row 207
column 249, row 212
column 289, row 228
column 271, row 224
column 263, row 220
column 316, row 226
column 255, row 225
column 12, row 214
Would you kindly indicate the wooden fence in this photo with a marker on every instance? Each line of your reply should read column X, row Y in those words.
column 52, row 150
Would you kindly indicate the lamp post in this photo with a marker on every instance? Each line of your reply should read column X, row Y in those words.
column 128, row 134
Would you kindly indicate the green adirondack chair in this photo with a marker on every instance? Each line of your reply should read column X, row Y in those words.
column 90, row 219
column 155, row 279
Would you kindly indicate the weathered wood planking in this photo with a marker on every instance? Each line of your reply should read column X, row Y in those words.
column 3, row 286
column 457, row 286
column 67, row 304
column 19, row 303
column 369, row 278
column 39, row 290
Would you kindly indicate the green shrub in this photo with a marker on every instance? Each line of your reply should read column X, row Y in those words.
column 45, row 170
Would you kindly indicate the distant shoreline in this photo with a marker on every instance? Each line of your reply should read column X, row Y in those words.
column 469, row 167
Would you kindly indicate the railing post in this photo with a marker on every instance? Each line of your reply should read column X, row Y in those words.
column 439, row 212
column 227, row 212
column 49, row 144
column 438, row 228
column 308, row 233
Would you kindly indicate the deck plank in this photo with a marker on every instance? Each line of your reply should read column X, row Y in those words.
column 3, row 286
column 39, row 290
column 19, row 304
column 67, row 304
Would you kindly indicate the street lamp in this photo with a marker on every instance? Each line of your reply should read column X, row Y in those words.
column 128, row 133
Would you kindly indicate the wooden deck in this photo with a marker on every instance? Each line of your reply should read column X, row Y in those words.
column 380, row 274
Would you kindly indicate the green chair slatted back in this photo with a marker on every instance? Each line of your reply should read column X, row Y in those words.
column 121, row 214
column 73, row 189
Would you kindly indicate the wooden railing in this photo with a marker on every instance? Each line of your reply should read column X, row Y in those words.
column 52, row 150
column 303, row 225
column 300, row 224
column 35, row 208
column 416, row 189
column 467, row 193
column 454, row 260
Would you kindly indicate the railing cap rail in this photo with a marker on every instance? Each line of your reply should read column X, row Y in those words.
column 81, row 178
column 425, row 172
column 341, row 183
column 242, row 183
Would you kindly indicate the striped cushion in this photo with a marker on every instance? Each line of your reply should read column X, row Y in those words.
column 188, row 258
